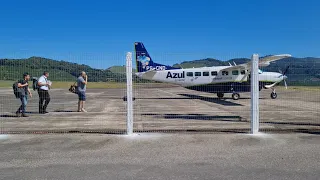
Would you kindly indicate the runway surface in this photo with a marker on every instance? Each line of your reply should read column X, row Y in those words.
column 160, row 156
column 171, row 109
column 208, row 138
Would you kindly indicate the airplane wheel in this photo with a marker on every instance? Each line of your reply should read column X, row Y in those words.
column 273, row 95
column 125, row 98
column 220, row 95
column 235, row 96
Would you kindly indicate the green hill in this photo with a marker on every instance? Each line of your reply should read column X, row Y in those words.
column 119, row 69
column 12, row 69
column 209, row 62
column 122, row 71
column 302, row 71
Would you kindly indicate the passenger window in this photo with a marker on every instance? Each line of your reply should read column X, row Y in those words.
column 214, row 73
column 197, row 73
column 190, row 74
column 205, row 73
column 243, row 72
column 225, row 73
column 235, row 72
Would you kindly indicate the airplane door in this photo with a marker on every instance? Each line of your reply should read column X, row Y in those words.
column 214, row 75
column 189, row 78
column 205, row 79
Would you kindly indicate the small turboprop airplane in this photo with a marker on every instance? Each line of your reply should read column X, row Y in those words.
column 217, row 79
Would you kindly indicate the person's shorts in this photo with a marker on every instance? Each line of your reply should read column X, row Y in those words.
column 82, row 96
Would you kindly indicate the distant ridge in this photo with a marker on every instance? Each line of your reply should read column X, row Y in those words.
column 303, row 71
column 12, row 69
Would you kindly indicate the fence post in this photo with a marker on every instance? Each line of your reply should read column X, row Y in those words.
column 129, row 94
column 254, row 94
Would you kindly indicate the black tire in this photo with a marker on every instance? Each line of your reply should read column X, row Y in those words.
column 273, row 95
column 235, row 96
column 220, row 95
column 125, row 98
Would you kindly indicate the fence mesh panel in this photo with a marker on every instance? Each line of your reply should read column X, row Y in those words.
column 158, row 107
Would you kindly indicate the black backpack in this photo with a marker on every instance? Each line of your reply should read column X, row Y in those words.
column 16, row 90
column 35, row 85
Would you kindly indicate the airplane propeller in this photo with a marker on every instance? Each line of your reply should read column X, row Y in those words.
column 283, row 74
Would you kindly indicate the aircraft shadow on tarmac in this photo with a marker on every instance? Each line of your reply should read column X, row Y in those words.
column 203, row 98
column 213, row 99
column 204, row 117
column 292, row 123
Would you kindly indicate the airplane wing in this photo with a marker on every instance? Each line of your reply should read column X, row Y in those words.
column 262, row 62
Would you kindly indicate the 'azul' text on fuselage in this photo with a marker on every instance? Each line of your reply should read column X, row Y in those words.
column 175, row 75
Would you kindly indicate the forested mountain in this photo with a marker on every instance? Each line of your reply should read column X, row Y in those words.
column 12, row 69
column 302, row 71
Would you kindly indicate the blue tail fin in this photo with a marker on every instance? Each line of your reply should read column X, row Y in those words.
column 144, row 61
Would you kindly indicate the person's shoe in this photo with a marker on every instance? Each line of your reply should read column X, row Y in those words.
column 24, row 115
column 83, row 110
column 45, row 112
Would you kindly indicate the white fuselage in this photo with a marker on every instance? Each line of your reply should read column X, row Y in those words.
column 207, row 75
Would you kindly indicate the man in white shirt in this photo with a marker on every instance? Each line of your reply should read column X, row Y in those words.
column 43, row 91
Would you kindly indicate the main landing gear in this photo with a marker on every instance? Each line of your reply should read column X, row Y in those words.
column 220, row 95
column 235, row 96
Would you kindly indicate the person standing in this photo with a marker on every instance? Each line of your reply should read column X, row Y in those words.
column 25, row 91
column 43, row 91
column 82, row 82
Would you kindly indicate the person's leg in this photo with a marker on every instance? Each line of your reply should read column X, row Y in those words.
column 47, row 98
column 79, row 101
column 18, row 112
column 83, row 109
column 83, row 101
column 41, row 100
column 79, row 106
column 24, row 101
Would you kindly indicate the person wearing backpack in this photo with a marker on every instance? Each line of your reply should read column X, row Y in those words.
column 43, row 91
column 24, row 92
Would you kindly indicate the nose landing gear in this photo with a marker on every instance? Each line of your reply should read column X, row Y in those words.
column 273, row 95
column 235, row 96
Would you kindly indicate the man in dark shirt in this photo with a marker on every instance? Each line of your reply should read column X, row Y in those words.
column 25, row 92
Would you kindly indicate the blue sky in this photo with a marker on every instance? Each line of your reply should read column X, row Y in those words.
column 98, row 33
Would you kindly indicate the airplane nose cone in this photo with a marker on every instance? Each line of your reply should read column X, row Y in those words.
column 285, row 77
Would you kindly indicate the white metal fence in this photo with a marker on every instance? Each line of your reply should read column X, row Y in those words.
column 158, row 107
